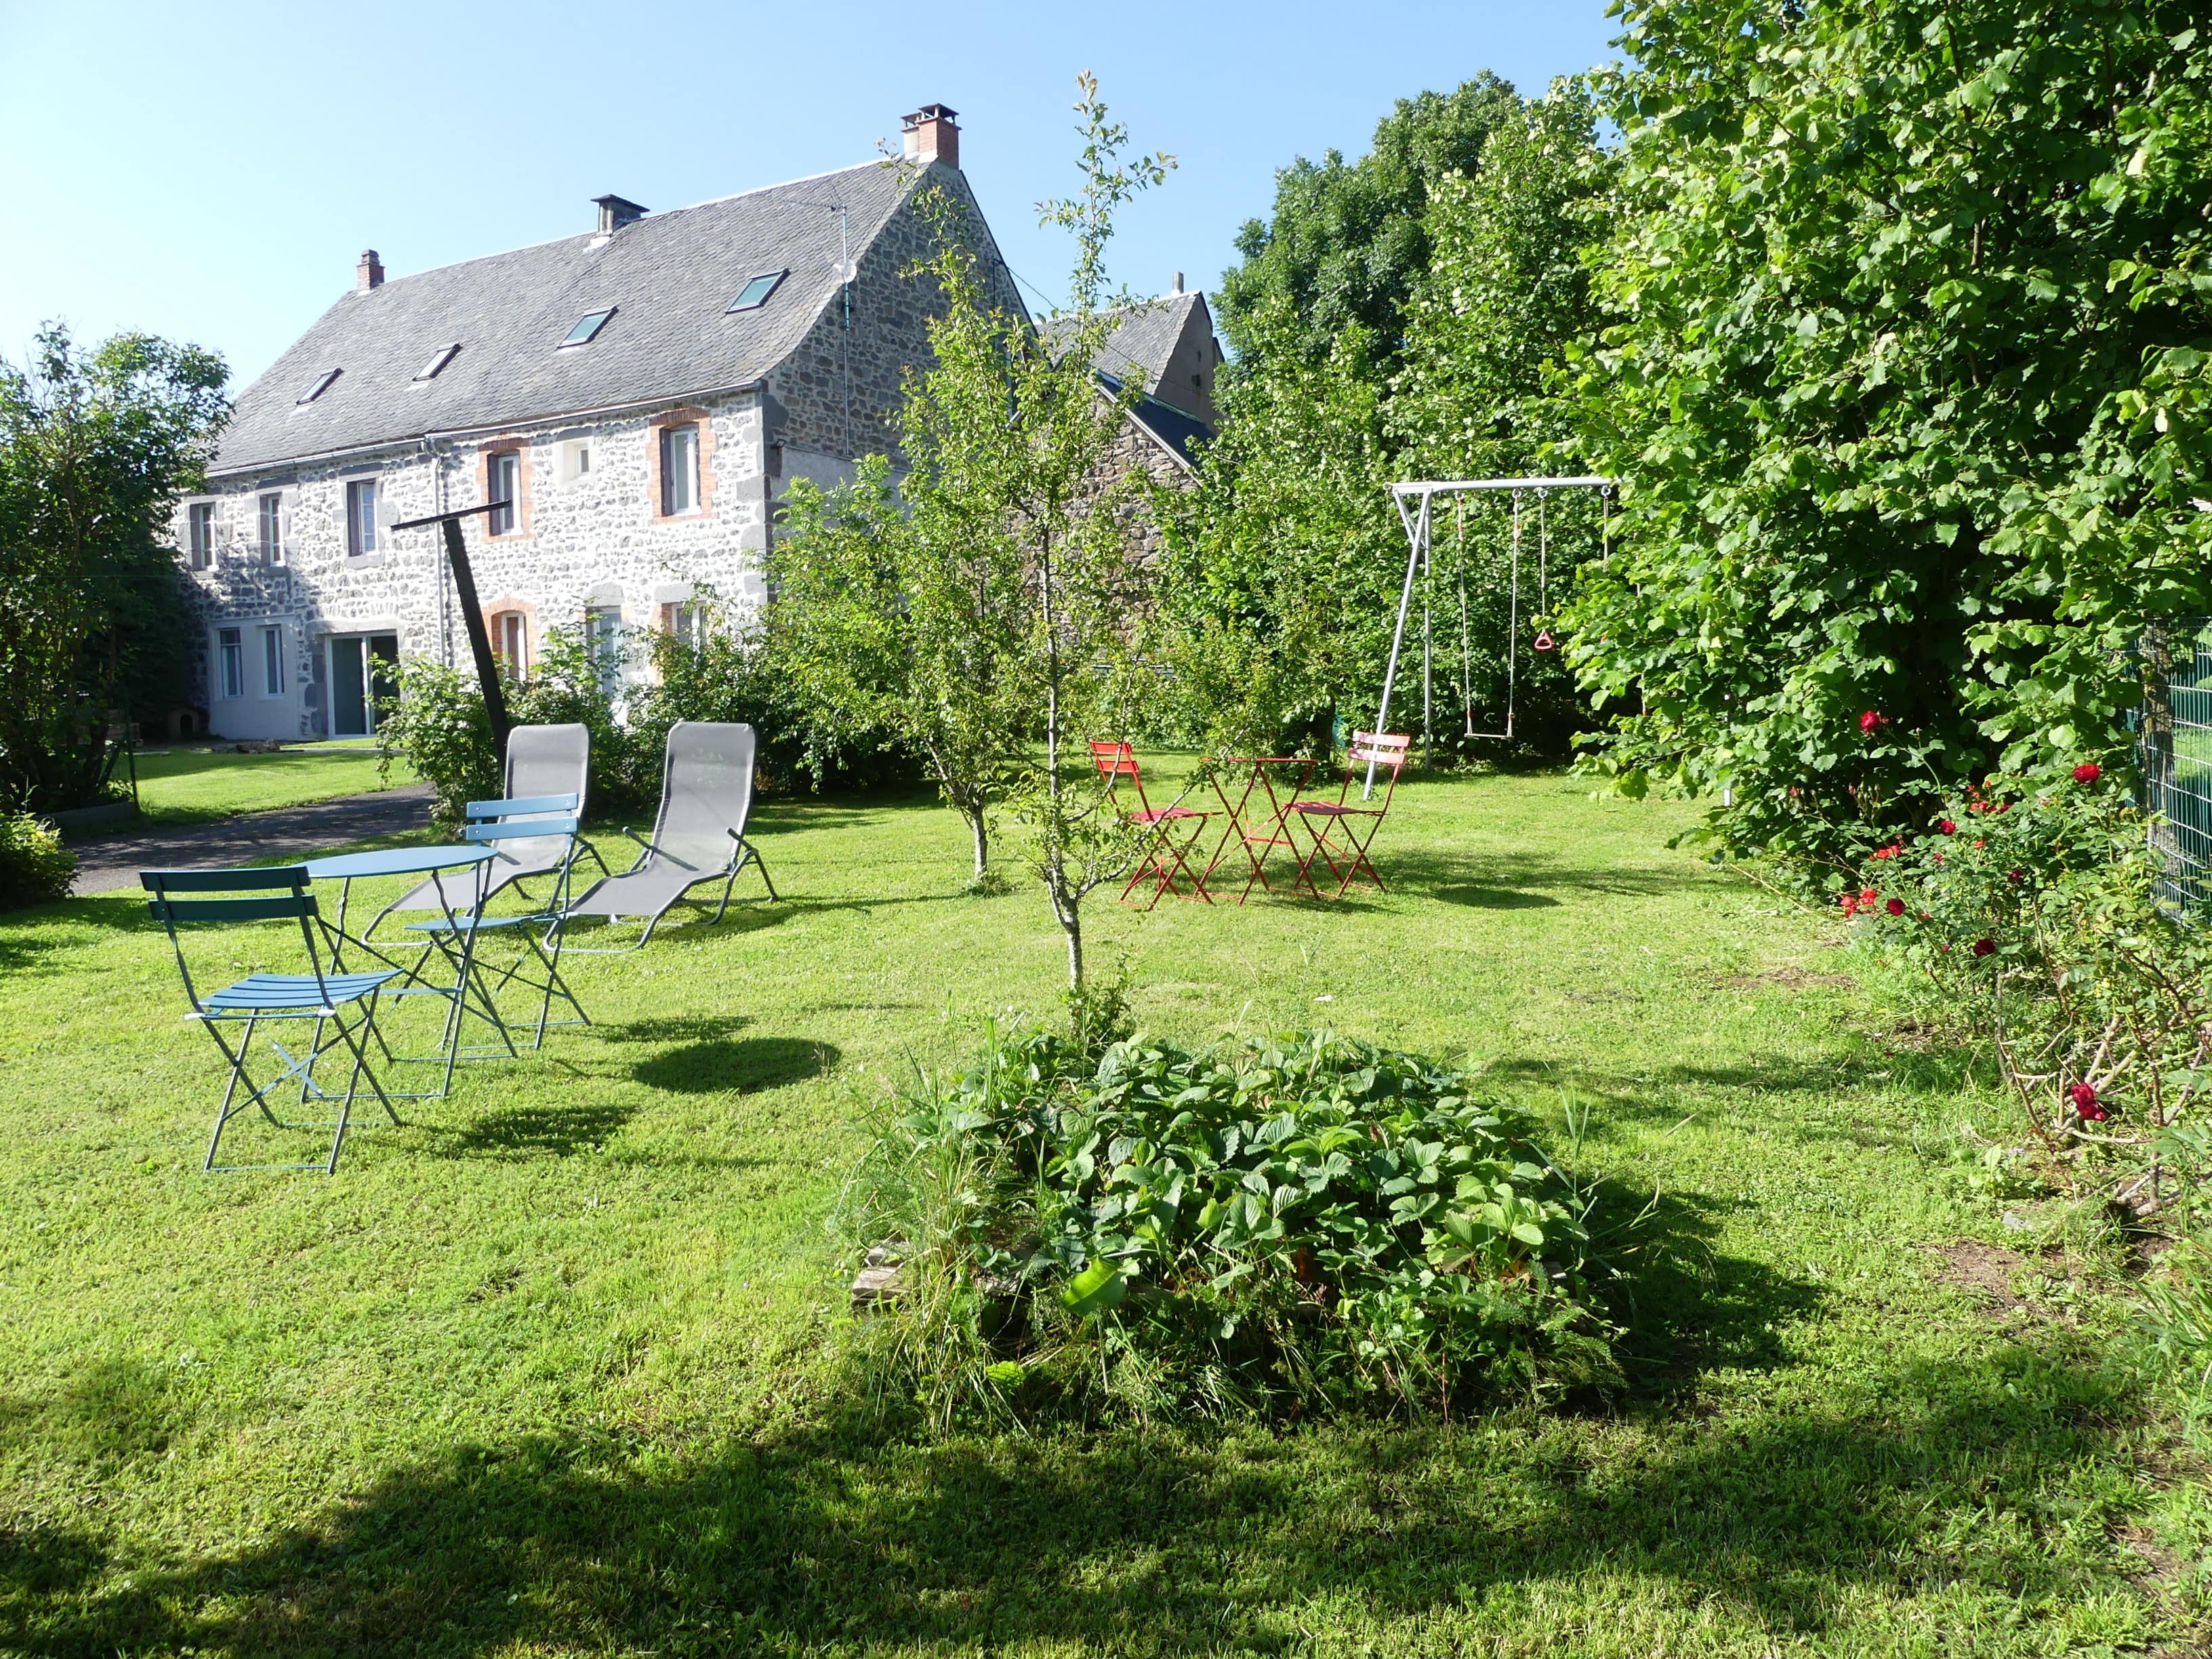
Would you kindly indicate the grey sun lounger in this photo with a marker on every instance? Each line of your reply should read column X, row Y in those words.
column 706, row 795
column 541, row 760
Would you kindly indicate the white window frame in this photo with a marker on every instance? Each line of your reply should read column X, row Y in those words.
column 230, row 663
column 361, row 524
column 268, row 522
column 272, row 661
column 576, row 460
column 604, row 640
column 510, row 643
column 683, row 436
column 199, row 535
column 507, row 522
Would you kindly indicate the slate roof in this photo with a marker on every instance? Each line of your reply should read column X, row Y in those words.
column 670, row 275
column 1178, row 431
column 1139, row 345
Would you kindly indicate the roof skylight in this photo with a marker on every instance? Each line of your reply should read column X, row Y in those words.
column 588, row 327
column 439, row 359
column 322, row 385
column 754, row 295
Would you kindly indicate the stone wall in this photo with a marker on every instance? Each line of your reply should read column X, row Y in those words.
column 594, row 537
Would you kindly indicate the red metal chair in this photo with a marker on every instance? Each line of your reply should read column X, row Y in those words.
column 1167, row 849
column 1341, row 831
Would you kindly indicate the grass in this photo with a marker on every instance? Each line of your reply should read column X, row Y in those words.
column 552, row 1370
column 201, row 784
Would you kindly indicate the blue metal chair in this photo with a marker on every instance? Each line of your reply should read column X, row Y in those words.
column 343, row 1006
column 535, row 819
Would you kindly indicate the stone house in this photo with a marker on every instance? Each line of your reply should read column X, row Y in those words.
column 642, row 393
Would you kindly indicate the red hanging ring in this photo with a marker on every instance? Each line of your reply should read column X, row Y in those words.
column 1545, row 641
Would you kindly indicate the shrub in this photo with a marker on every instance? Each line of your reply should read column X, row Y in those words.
column 36, row 868
column 437, row 722
column 1277, row 1226
column 2029, row 913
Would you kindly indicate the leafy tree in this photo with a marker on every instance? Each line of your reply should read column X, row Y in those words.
column 883, row 621
column 1908, row 379
column 96, row 447
column 1348, row 241
column 1396, row 320
column 972, row 610
column 1505, row 294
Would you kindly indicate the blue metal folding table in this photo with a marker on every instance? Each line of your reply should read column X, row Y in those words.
column 346, row 868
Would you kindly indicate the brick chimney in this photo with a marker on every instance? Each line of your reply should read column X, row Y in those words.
column 614, row 212
column 370, row 273
column 931, row 136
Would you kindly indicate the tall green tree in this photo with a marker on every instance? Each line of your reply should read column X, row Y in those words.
column 1348, row 241
column 1397, row 318
column 982, row 610
column 1908, row 379
column 95, row 448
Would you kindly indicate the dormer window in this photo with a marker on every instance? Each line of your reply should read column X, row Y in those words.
column 322, row 385
column 439, row 359
column 588, row 327
column 754, row 295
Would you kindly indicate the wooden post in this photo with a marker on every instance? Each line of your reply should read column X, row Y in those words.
column 472, row 618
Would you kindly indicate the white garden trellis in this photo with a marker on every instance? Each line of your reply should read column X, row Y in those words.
column 1416, row 504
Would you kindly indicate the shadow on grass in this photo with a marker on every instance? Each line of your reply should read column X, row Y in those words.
column 1791, row 1528
column 1494, row 898
column 516, row 1133
column 745, row 1065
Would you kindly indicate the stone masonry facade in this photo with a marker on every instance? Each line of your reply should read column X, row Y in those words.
column 587, row 537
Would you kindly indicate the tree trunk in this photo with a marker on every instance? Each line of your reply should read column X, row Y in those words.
column 1071, row 923
column 982, row 834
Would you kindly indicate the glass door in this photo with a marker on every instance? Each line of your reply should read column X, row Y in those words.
column 363, row 667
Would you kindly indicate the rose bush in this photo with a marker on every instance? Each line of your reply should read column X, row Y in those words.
column 2037, row 925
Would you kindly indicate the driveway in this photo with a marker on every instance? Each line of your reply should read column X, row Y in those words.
column 114, row 861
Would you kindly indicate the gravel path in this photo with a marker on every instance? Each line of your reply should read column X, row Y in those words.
column 114, row 861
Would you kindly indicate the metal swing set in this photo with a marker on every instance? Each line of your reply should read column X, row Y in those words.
column 1416, row 504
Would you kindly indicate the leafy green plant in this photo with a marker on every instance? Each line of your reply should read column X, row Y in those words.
column 36, row 868
column 1309, row 1223
column 435, row 722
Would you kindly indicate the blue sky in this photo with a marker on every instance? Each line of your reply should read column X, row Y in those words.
column 211, row 171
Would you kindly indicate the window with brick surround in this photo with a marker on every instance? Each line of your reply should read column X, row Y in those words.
column 503, row 482
column 510, row 643
column 679, row 470
column 685, row 621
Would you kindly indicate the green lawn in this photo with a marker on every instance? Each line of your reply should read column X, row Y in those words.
column 200, row 784
column 552, row 1370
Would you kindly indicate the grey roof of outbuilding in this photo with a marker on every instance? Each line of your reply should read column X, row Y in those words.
column 670, row 275
column 1142, row 339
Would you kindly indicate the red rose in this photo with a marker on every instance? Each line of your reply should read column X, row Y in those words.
column 2085, row 1101
column 1937, row 856
column 1945, row 827
column 1889, row 852
column 2088, row 772
column 1851, row 904
column 1895, row 906
column 1980, row 842
column 2015, row 875
column 1870, row 722
column 1868, row 899
column 1984, row 947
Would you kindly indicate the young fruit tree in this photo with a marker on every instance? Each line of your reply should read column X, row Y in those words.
column 982, row 606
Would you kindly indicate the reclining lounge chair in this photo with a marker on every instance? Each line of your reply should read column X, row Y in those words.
column 706, row 793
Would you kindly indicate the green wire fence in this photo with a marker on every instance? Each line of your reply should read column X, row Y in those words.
column 2174, row 742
